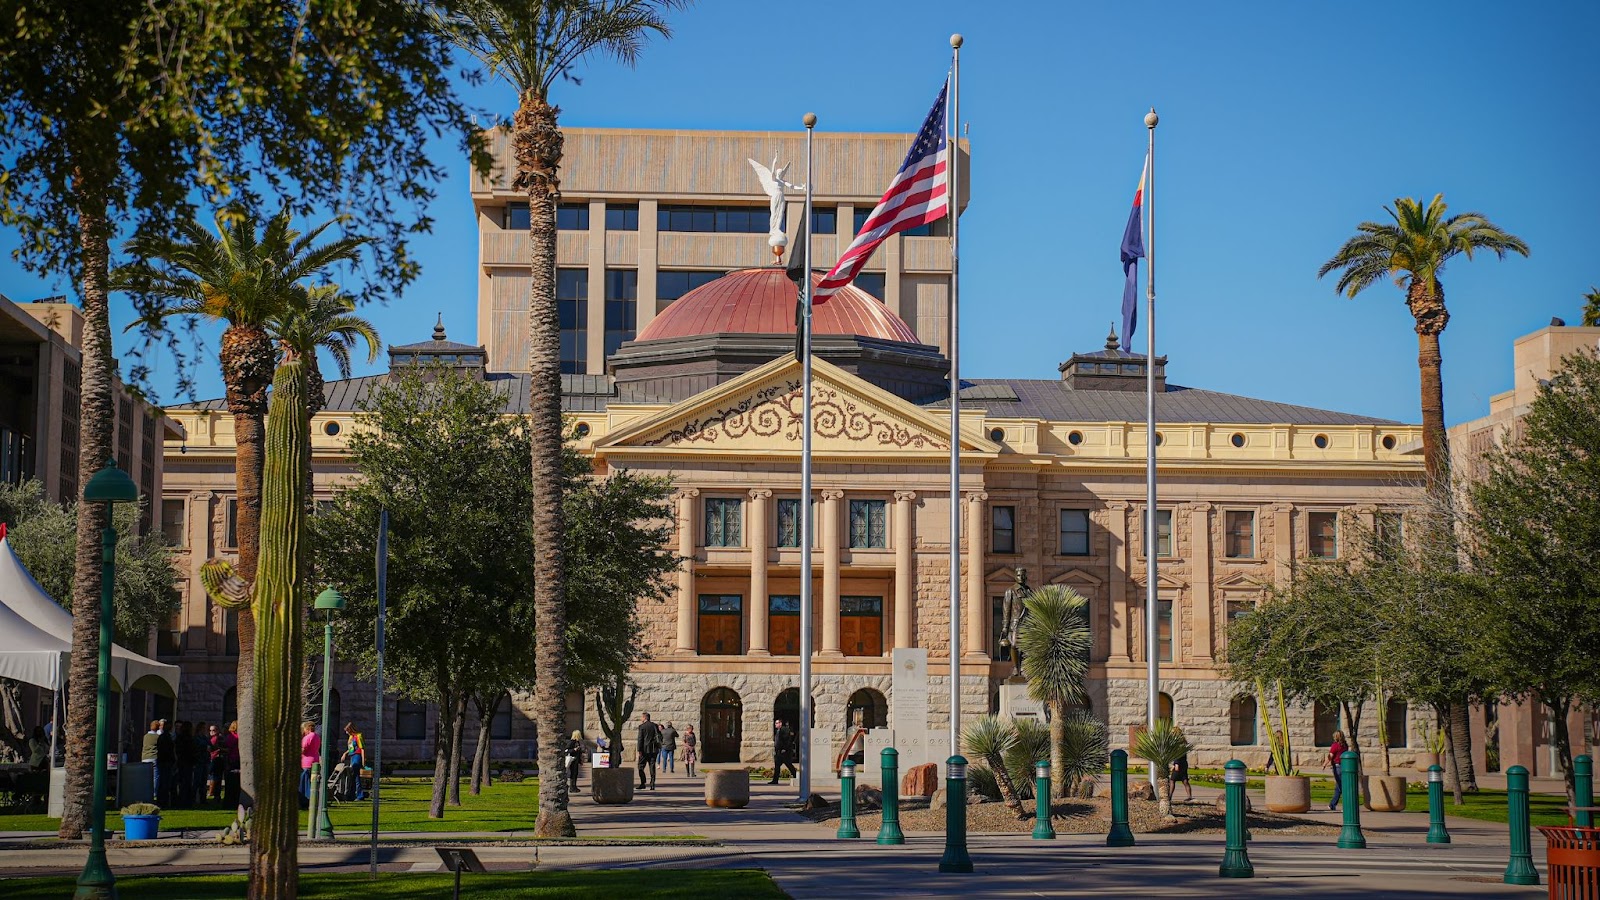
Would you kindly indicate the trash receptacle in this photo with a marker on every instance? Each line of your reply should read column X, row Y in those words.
column 1573, row 856
column 136, row 783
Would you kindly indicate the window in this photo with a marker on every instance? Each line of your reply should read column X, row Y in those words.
column 1074, row 532
column 866, row 709
column 1323, row 529
column 172, row 520
column 1003, row 529
column 500, row 725
column 572, row 302
column 1164, row 629
column 873, row 283
column 230, row 632
column 622, row 290
column 517, row 218
column 869, row 524
column 783, row 625
column 1240, row 537
column 723, row 527
column 719, row 219
column 1324, row 722
column 1394, row 721
column 410, row 720
column 230, row 523
column 997, row 629
column 789, row 523
column 1238, row 609
column 572, row 217
column 1163, row 533
column 169, row 637
column 670, row 284
column 1242, row 721
column 1389, row 534
column 622, row 218
column 824, row 220
column 861, row 626
column 721, row 624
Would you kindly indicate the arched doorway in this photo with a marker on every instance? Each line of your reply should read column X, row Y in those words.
column 866, row 709
column 721, row 726
column 787, row 708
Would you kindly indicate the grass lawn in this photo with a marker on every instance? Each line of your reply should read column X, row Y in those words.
column 503, row 806
column 690, row 884
column 1485, row 805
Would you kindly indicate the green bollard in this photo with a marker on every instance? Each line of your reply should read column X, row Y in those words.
column 955, row 858
column 889, row 831
column 1436, row 830
column 1350, row 837
column 1235, row 860
column 1520, row 869
column 1121, row 835
column 1583, row 781
column 847, row 801
column 1042, row 829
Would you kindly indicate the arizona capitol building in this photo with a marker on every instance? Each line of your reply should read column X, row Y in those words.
column 678, row 349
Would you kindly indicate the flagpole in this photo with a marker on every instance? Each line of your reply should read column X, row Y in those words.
column 953, row 132
column 803, row 729
column 1151, row 543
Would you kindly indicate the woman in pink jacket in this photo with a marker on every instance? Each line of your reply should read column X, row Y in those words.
column 310, row 754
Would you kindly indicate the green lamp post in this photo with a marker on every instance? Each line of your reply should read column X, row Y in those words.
column 329, row 601
column 110, row 486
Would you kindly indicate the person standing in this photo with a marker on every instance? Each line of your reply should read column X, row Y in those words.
column 183, row 779
column 1336, row 752
column 689, row 751
column 310, row 753
column 166, row 764
column 574, row 759
column 230, row 743
column 217, row 752
column 149, row 753
column 669, row 748
column 38, row 749
column 784, row 751
column 649, row 748
column 355, row 754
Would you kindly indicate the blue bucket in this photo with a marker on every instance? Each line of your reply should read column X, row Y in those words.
column 140, row 828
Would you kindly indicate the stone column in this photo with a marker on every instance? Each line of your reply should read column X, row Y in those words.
column 1200, row 582
column 977, row 612
column 1117, row 576
column 905, row 576
column 830, row 573
column 687, row 516
column 756, row 533
column 1282, row 543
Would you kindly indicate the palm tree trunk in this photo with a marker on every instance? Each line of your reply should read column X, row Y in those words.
column 96, row 413
column 537, row 142
column 1058, row 749
column 249, row 435
column 1461, row 745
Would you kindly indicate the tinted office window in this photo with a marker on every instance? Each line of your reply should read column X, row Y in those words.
column 622, row 218
column 670, row 284
column 572, row 302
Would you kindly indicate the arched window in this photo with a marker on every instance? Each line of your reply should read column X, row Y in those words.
column 1395, row 723
column 867, row 709
column 1242, row 721
column 500, row 725
column 410, row 720
column 1325, row 721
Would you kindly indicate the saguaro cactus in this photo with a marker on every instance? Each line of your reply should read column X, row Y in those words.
column 615, row 711
column 276, row 597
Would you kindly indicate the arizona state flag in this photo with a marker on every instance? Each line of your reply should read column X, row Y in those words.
column 1132, row 252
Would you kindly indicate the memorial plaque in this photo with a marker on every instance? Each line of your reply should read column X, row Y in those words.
column 908, row 706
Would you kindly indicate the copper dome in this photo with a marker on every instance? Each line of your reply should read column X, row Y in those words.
column 762, row 301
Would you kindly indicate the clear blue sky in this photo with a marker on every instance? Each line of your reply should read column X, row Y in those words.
column 1282, row 127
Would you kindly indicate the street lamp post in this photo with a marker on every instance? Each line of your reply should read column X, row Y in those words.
column 110, row 486
column 330, row 601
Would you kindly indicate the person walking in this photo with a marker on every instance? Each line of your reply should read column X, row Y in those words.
column 669, row 748
column 690, row 756
column 784, row 751
column 1336, row 752
column 310, row 753
column 355, row 754
column 649, row 748
column 1180, row 775
column 573, row 756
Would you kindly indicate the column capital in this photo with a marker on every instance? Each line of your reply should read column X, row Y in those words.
column 905, row 496
column 831, row 494
column 761, row 494
column 1282, row 507
column 1200, row 506
column 977, row 496
column 687, row 494
column 1117, row 505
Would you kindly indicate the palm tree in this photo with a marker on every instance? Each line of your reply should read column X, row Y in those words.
column 1053, row 639
column 323, row 317
column 246, row 277
column 1162, row 745
column 533, row 45
column 1591, row 307
column 1413, row 250
column 992, row 739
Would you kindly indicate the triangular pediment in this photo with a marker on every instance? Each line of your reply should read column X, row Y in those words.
column 1239, row 581
column 760, row 412
column 1162, row 581
column 1077, row 576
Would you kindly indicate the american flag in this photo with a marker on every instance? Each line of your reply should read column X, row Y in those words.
column 917, row 195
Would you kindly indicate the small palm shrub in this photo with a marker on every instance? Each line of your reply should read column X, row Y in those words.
column 992, row 739
column 1163, row 746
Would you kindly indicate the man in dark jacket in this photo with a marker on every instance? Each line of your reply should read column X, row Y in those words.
column 649, row 748
column 785, row 750
column 166, row 764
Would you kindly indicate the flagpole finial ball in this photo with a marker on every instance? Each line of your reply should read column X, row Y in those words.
column 955, row 41
column 810, row 120
column 1150, row 118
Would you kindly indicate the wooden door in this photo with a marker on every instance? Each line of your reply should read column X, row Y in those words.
column 720, row 634
column 721, row 726
column 783, row 635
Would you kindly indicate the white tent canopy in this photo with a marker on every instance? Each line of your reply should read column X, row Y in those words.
column 36, row 638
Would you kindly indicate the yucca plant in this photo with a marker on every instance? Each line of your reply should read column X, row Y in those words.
column 1054, row 640
column 991, row 739
column 1162, row 746
column 1032, row 745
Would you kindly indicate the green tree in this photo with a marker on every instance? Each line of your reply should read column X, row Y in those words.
column 532, row 46
column 1162, row 745
column 1591, row 307
column 121, row 116
column 1054, row 641
column 1535, row 524
column 249, row 278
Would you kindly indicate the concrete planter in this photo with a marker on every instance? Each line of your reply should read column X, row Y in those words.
column 1424, row 760
column 728, row 788
column 1288, row 793
column 611, row 786
column 1386, row 793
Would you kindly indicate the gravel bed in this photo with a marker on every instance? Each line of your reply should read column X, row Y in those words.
column 1079, row 817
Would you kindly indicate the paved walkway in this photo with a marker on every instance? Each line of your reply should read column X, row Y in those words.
column 808, row 862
